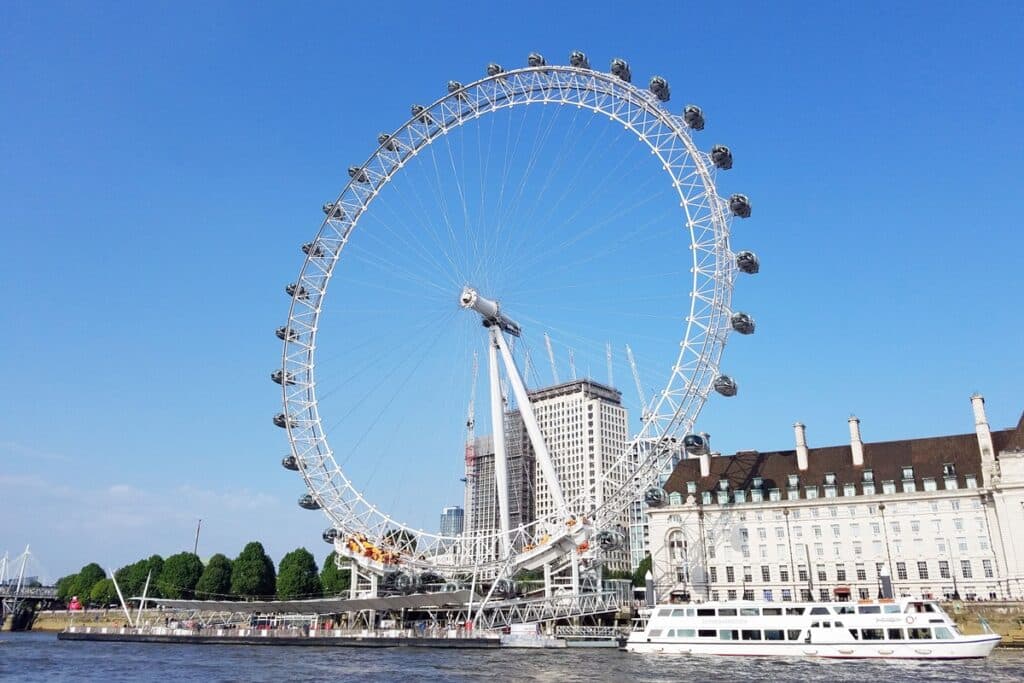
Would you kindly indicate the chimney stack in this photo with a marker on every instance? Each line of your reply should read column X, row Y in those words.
column 856, row 445
column 801, row 446
column 984, row 438
column 705, row 464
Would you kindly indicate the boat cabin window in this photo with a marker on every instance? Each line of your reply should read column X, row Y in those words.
column 942, row 633
column 920, row 607
column 728, row 634
column 685, row 633
column 891, row 609
column 773, row 634
column 727, row 612
column 894, row 633
column 690, row 611
column 772, row 612
column 793, row 634
column 706, row 633
column 871, row 634
column 749, row 611
column 869, row 609
column 751, row 635
column 665, row 612
column 815, row 624
column 820, row 610
column 655, row 632
column 843, row 609
column 705, row 612
column 794, row 611
column 679, row 612
column 919, row 633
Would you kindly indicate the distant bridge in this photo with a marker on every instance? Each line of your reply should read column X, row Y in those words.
column 12, row 592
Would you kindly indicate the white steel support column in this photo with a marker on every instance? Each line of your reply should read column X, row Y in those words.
column 540, row 449
column 498, row 429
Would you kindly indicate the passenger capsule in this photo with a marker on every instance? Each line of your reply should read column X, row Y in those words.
column 609, row 540
column 387, row 142
column 330, row 534
column 334, row 211
column 656, row 497
column 739, row 205
column 694, row 117
column 659, row 87
column 726, row 385
column 419, row 112
column 287, row 334
column 536, row 59
column 579, row 60
column 281, row 420
column 620, row 69
column 494, row 69
column 746, row 262
column 358, row 174
column 290, row 463
column 505, row 588
column 454, row 86
column 313, row 249
column 721, row 156
column 297, row 291
column 308, row 502
column 282, row 377
column 742, row 323
column 695, row 444
column 429, row 578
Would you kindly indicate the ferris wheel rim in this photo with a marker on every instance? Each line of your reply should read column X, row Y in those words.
column 670, row 407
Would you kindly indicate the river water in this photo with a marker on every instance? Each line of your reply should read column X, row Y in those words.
column 41, row 657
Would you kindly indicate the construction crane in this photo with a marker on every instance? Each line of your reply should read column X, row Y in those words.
column 572, row 364
column 608, row 357
column 639, row 386
column 470, row 448
column 551, row 357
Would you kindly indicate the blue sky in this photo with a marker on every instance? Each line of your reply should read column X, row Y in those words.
column 160, row 167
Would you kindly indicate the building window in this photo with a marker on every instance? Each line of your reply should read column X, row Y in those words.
column 787, row 595
column 864, row 593
column 756, row 495
column 858, row 549
column 730, row 574
column 757, row 482
column 706, row 497
column 794, row 480
column 971, row 481
column 901, row 571
column 849, row 489
column 783, row 573
column 909, row 486
column 739, row 496
column 823, row 594
column 830, row 477
column 723, row 484
column 951, row 484
column 801, row 572
column 767, row 593
column 895, row 527
column 915, row 526
column 811, row 492
column 723, row 497
column 855, row 530
column 965, row 569
column 830, row 491
column 840, row 572
column 958, row 523
column 869, row 475
column 766, row 573
column 862, row 573
column 876, row 528
column 922, row 570
column 675, row 545
column 747, row 575
column 746, row 551
column 793, row 494
column 869, row 489
column 986, row 566
column 817, row 531
column 944, row 569
column 822, row 574
column 961, row 543
column 711, row 551
column 691, row 487
column 888, row 486
column 774, row 495
column 805, row 595
column 908, row 472
column 676, row 498
column 730, row 594
column 714, row 575
column 929, row 484
column 948, row 469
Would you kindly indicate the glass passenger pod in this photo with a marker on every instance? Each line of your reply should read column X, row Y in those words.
column 282, row 377
column 656, row 497
column 739, row 205
column 659, row 87
column 494, row 69
column 695, row 444
column 579, row 60
column 536, row 59
column 286, row 334
column 721, row 156
column 454, row 87
column 290, row 463
column 747, row 262
column 297, row 291
column 609, row 540
column 387, row 142
column 620, row 69
column 742, row 323
column 694, row 117
column 358, row 174
column 313, row 249
column 329, row 535
column 333, row 210
column 726, row 385
column 419, row 112
column 308, row 502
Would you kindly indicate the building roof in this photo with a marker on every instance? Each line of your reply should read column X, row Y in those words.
column 885, row 459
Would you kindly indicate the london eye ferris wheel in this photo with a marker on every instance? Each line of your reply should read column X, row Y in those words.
column 549, row 203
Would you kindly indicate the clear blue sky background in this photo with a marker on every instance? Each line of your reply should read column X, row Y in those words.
column 158, row 166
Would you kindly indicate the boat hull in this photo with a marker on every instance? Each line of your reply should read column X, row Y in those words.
column 965, row 648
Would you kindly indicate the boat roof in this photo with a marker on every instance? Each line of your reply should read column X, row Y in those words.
column 320, row 606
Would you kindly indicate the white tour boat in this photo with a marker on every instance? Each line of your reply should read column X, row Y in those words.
column 903, row 628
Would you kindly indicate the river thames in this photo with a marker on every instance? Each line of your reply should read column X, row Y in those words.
column 41, row 657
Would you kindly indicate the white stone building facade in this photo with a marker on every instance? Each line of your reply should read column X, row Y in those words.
column 943, row 516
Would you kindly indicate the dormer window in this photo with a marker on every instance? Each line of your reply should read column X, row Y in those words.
column 948, row 469
column 757, row 483
column 691, row 487
column 706, row 498
column 723, row 484
column 794, row 480
column 830, row 478
column 869, row 476
column 908, row 472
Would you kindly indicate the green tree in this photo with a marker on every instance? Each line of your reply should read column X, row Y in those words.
column 215, row 583
column 297, row 576
column 618, row 574
column 66, row 586
column 88, row 576
column 132, row 578
column 103, row 593
column 252, row 573
column 333, row 580
column 639, row 576
column 180, row 575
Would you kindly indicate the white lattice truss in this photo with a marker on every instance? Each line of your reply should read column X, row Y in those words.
column 671, row 413
column 540, row 610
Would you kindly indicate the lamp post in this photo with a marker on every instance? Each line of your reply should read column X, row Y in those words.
column 789, row 544
column 885, row 535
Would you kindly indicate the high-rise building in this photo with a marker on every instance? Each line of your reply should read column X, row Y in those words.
column 483, row 493
column 451, row 520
